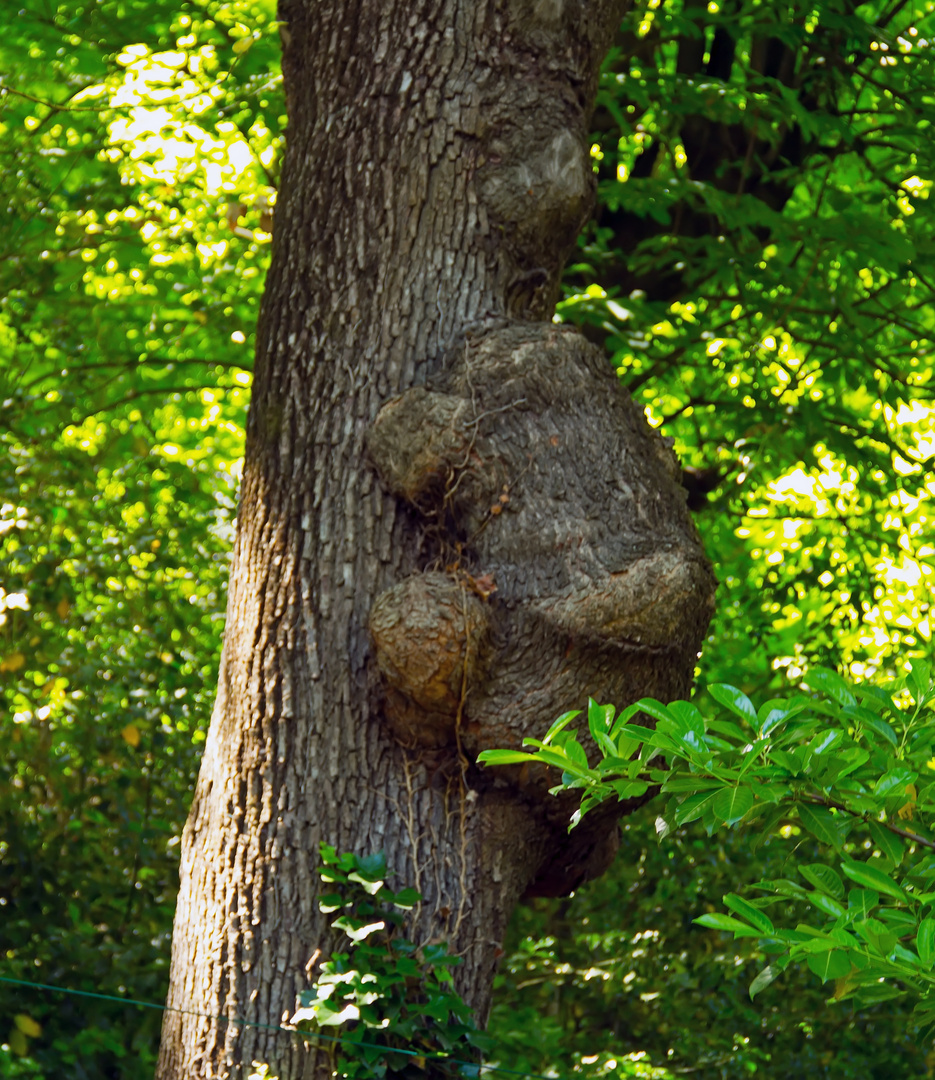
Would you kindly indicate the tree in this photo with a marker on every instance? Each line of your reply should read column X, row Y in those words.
column 782, row 340
column 525, row 533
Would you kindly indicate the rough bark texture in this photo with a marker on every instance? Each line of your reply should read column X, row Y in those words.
column 453, row 524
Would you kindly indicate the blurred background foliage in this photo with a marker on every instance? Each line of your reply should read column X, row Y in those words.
column 760, row 269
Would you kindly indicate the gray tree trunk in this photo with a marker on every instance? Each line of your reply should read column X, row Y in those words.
column 453, row 524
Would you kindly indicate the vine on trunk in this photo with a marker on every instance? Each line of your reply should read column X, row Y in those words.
column 392, row 1001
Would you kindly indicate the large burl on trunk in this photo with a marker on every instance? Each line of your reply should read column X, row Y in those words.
column 454, row 525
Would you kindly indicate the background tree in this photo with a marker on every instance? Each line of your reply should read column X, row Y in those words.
column 153, row 193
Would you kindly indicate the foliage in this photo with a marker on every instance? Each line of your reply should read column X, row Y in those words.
column 760, row 268
column 391, row 1001
column 123, row 383
column 849, row 767
column 621, row 964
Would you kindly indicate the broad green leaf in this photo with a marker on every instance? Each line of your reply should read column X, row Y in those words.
column 749, row 912
column 880, row 727
column 689, row 782
column 372, row 867
column 729, row 729
column 918, row 679
column 629, row 789
column 560, row 760
column 830, row 684
column 825, row 741
column 871, row 878
column 688, row 717
column 576, row 754
column 407, row 898
column 644, row 735
column 600, row 719
column 889, row 844
column 559, row 725
column 876, row 993
column 735, row 700
column 624, row 746
column 695, row 806
column 716, row 921
column 894, row 782
column 825, row 878
column 826, row 904
column 820, row 823
column 861, row 902
column 772, row 713
column 925, row 942
column 732, row 805
column 504, row 757
column 624, row 717
column 656, row 710
column 829, row 965
column 764, row 978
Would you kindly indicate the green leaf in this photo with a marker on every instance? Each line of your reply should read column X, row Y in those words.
column 694, row 806
column 558, row 725
column 689, row 782
column 889, row 844
column 825, row 878
column 629, row 789
column 820, row 823
column 826, row 904
column 655, row 709
column 918, row 679
column 560, row 760
column 830, row 684
column 576, row 754
column 861, row 902
column 877, row 935
column 772, row 713
column 893, row 783
column 688, row 717
column 749, row 912
column 735, row 700
column 504, row 757
column 830, row 965
column 716, row 921
column 765, row 977
column 825, row 741
column 880, row 727
column 871, row 878
column 925, row 942
column 732, row 805
column 600, row 719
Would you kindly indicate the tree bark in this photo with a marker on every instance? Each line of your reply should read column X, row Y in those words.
column 453, row 523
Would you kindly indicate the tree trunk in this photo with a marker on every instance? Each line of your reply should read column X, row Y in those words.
column 453, row 523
